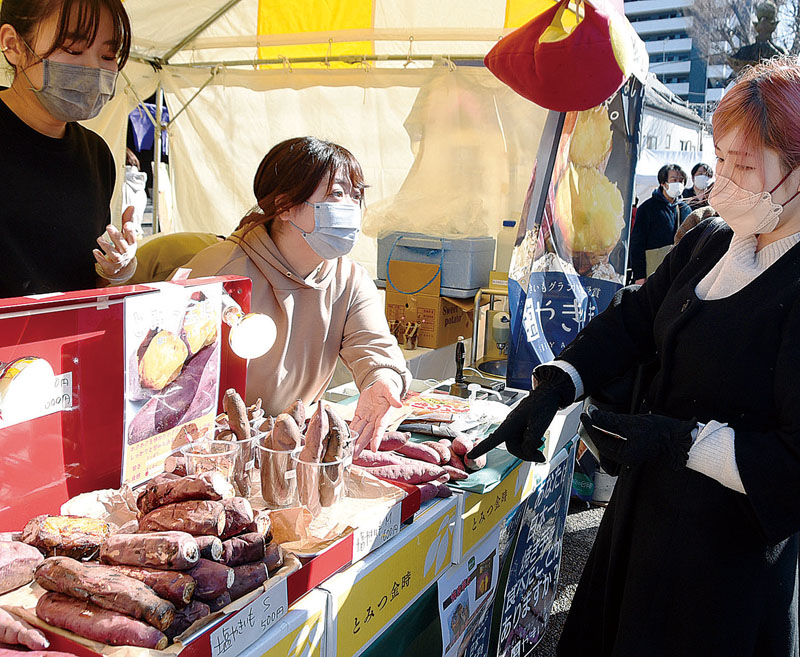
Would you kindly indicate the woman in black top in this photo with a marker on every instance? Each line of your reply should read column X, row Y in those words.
column 57, row 177
column 697, row 552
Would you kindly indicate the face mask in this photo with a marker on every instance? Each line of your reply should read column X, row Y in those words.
column 701, row 181
column 336, row 227
column 746, row 212
column 74, row 93
column 674, row 189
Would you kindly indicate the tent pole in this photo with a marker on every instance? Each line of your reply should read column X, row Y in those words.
column 347, row 59
column 198, row 30
column 157, row 156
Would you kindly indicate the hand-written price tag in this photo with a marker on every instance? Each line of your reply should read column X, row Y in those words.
column 366, row 539
column 242, row 629
column 61, row 399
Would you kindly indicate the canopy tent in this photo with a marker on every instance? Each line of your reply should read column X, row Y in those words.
column 388, row 79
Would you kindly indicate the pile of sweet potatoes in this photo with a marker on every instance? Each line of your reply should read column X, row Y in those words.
column 191, row 552
column 428, row 465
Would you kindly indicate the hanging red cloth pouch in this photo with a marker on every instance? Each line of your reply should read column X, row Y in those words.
column 568, row 58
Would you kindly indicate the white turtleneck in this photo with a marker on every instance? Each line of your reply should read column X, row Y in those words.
column 713, row 452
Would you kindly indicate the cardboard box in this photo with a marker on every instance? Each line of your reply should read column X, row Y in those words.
column 414, row 297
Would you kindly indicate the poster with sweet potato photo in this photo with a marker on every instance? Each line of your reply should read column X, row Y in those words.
column 172, row 358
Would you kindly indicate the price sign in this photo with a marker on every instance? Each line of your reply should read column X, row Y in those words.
column 367, row 539
column 244, row 627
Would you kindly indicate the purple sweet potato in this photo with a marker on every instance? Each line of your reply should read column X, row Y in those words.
column 105, row 587
column 393, row 439
column 409, row 471
column 196, row 517
column 185, row 617
column 370, row 459
column 455, row 473
column 210, row 547
column 456, row 462
column 442, row 450
column 172, row 585
column 248, row 577
column 164, row 550
column 238, row 516
column 17, row 562
column 218, row 603
column 243, row 549
column 161, row 491
column 475, row 464
column 462, row 444
column 212, row 579
column 273, row 557
column 98, row 624
column 420, row 452
column 191, row 394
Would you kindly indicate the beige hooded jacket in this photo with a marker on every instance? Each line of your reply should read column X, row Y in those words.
column 335, row 311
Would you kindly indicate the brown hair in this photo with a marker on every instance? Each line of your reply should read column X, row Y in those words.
column 78, row 20
column 764, row 105
column 292, row 170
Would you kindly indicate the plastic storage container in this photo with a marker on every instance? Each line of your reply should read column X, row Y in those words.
column 466, row 262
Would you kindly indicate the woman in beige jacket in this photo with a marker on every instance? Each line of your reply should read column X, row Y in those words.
column 324, row 305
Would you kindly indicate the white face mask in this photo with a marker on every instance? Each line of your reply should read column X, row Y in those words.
column 674, row 189
column 746, row 212
column 336, row 228
column 701, row 181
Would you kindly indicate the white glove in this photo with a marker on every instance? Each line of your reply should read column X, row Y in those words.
column 117, row 261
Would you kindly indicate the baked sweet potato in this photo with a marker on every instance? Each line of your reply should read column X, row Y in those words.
column 17, row 562
column 212, row 579
column 273, row 557
column 161, row 491
column 261, row 524
column 331, row 477
column 98, row 624
column 196, row 517
column 172, row 585
column 298, row 412
column 248, row 577
column 105, row 587
column 238, row 516
column 161, row 358
column 238, row 422
column 285, row 434
column 184, row 618
column 70, row 536
column 218, row 603
column 199, row 324
column 210, row 547
column 164, row 550
column 310, row 455
column 243, row 549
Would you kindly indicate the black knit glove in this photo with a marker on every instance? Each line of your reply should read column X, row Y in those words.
column 523, row 430
column 642, row 437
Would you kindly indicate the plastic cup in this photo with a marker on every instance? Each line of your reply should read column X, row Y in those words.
column 278, row 477
column 211, row 456
column 330, row 479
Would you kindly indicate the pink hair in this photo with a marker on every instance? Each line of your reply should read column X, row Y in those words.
column 764, row 106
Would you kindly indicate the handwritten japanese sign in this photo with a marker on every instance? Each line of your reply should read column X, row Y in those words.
column 243, row 628
column 367, row 539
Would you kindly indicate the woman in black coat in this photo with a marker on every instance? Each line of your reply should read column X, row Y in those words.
column 697, row 552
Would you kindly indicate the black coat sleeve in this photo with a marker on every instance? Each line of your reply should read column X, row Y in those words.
column 636, row 255
column 622, row 335
column 769, row 462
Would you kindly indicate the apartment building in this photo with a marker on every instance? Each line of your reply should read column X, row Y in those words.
column 663, row 25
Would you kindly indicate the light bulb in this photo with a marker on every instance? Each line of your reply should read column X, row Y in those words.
column 252, row 336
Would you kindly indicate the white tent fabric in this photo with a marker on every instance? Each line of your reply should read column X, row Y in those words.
column 475, row 165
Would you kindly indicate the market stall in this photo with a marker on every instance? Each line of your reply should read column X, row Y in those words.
column 309, row 548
